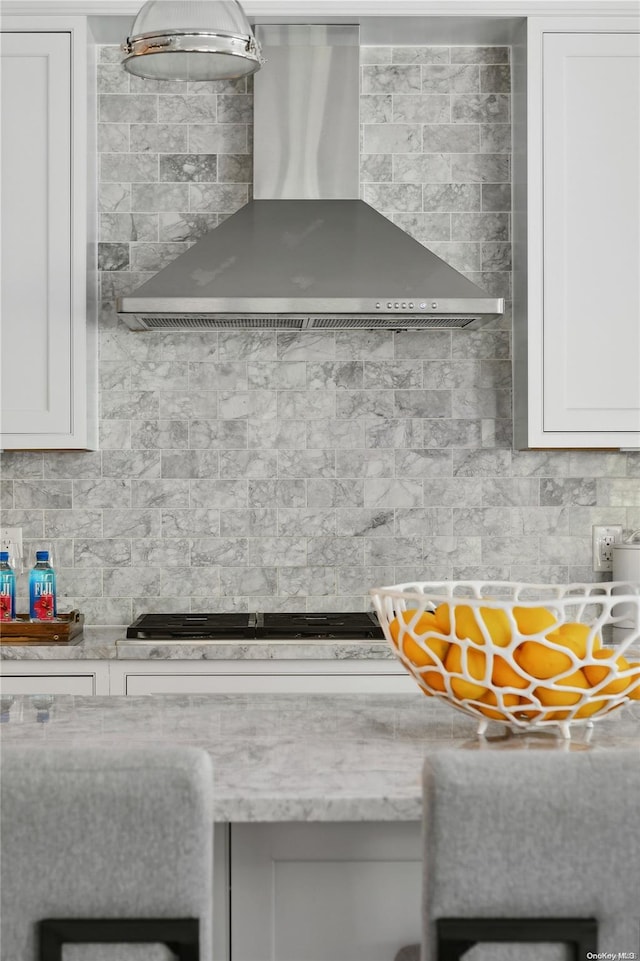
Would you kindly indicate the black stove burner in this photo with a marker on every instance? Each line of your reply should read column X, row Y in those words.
column 354, row 626
column 195, row 626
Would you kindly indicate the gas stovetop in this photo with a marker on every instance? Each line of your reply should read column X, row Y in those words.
column 220, row 627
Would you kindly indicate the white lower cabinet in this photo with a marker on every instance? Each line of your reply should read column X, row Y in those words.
column 267, row 684
column 324, row 892
column 51, row 677
column 259, row 677
column 203, row 677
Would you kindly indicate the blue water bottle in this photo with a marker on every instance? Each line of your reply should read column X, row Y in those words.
column 7, row 588
column 42, row 589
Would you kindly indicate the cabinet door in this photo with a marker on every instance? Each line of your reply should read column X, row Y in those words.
column 577, row 233
column 591, row 110
column 42, row 676
column 44, row 235
column 47, row 684
column 245, row 683
column 324, row 892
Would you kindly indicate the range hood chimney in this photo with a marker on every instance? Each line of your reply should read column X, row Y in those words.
column 306, row 252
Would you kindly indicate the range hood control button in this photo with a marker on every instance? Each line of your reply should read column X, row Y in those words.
column 434, row 305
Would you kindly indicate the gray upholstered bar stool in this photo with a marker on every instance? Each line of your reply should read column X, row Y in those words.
column 107, row 846
column 537, row 845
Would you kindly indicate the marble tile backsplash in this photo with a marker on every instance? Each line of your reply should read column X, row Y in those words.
column 253, row 470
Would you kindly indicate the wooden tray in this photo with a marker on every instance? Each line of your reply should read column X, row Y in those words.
column 67, row 629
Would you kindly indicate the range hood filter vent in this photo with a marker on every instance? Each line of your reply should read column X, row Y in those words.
column 273, row 322
column 389, row 322
column 215, row 322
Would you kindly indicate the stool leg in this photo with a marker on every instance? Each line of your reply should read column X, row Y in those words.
column 454, row 936
column 181, row 935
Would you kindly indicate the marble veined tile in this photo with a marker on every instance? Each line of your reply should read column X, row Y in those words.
column 365, row 522
column 211, row 138
column 426, row 107
column 326, row 492
column 187, row 109
column 383, row 78
column 426, row 54
column 188, row 167
column 73, row 523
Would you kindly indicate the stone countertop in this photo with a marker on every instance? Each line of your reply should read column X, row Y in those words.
column 104, row 643
column 295, row 757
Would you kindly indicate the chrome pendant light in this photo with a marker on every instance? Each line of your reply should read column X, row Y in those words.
column 191, row 40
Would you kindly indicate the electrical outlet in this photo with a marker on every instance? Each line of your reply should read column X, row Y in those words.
column 603, row 540
column 11, row 540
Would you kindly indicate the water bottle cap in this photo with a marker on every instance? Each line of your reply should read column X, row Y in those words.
column 42, row 555
column 4, row 556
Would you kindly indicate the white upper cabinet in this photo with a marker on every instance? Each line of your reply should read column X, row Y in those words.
column 47, row 332
column 577, row 235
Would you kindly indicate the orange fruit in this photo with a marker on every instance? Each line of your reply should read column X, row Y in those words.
column 527, row 710
column 417, row 655
column 541, row 661
column 442, row 615
column 554, row 695
column 556, row 716
column 591, row 707
column 576, row 636
column 467, row 623
column 595, row 673
column 635, row 693
column 506, row 676
column 475, row 667
column 533, row 620
column 497, row 624
column 509, row 700
column 434, row 680
column 424, row 623
column 412, row 650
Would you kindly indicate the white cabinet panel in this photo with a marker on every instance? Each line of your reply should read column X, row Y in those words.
column 54, row 677
column 48, row 684
column 201, row 677
column 577, row 301
column 36, row 232
column 47, row 324
column 300, row 683
column 324, row 892
column 591, row 111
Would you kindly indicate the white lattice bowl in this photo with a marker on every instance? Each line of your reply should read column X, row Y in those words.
column 527, row 655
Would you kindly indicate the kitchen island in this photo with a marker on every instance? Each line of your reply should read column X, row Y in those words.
column 295, row 757
column 318, row 802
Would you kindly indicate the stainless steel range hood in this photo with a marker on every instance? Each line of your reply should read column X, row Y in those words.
column 306, row 253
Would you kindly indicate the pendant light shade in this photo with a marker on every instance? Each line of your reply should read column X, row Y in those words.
column 191, row 40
